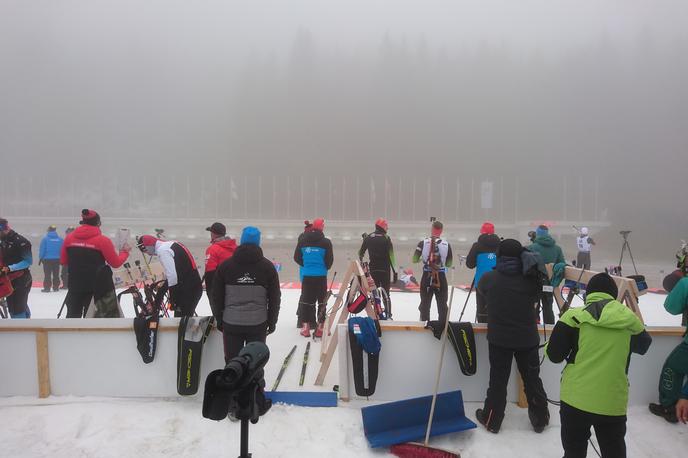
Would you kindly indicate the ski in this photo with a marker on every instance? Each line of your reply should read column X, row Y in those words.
column 284, row 368
column 305, row 364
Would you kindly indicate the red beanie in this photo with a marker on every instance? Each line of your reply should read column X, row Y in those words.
column 382, row 223
column 90, row 217
column 487, row 228
column 146, row 240
column 319, row 224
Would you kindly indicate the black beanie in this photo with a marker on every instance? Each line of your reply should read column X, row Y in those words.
column 602, row 283
column 510, row 248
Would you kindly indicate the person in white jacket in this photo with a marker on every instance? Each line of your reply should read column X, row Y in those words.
column 584, row 243
column 181, row 272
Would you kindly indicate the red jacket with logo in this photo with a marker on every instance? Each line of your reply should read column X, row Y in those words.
column 86, row 251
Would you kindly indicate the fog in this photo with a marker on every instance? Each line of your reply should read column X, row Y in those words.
column 571, row 111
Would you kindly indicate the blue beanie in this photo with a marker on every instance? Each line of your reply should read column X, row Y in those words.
column 250, row 236
column 541, row 231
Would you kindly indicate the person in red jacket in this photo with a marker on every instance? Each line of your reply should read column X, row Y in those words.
column 221, row 248
column 87, row 253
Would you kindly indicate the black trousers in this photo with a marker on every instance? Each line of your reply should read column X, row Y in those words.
column 546, row 300
column 575, row 432
column 528, row 364
column 313, row 290
column 236, row 337
column 65, row 276
column 51, row 270
column 185, row 298
column 18, row 301
column 481, row 307
column 426, row 294
column 77, row 303
column 381, row 279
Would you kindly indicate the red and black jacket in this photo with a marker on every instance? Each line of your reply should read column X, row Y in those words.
column 85, row 251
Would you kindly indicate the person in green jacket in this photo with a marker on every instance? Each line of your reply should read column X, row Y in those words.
column 675, row 367
column 596, row 341
column 551, row 254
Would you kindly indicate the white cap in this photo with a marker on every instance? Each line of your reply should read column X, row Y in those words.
column 584, row 230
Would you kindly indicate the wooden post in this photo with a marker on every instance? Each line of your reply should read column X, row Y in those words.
column 43, row 364
column 522, row 399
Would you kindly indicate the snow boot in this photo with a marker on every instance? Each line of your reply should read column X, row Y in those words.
column 319, row 331
column 668, row 413
column 485, row 419
column 306, row 330
column 45, row 290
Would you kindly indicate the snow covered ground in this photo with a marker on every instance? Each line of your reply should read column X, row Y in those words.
column 105, row 427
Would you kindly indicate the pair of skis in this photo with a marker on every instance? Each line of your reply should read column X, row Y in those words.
column 286, row 362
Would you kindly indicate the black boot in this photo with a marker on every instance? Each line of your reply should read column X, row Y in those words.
column 488, row 420
column 668, row 413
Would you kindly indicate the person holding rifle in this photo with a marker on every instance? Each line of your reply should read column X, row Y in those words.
column 436, row 255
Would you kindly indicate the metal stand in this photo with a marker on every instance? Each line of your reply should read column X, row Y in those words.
column 624, row 247
column 244, row 439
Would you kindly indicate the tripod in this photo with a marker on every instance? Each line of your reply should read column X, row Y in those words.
column 624, row 247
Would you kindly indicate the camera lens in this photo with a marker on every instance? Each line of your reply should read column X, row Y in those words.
column 233, row 372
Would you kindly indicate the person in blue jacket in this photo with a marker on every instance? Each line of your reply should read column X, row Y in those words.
column 314, row 254
column 49, row 256
column 483, row 258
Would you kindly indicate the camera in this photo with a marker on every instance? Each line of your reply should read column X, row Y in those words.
column 624, row 233
column 238, row 389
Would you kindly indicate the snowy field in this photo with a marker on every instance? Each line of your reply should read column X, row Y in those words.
column 109, row 427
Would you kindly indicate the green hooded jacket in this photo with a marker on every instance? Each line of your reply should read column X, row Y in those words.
column 595, row 377
column 677, row 300
column 549, row 250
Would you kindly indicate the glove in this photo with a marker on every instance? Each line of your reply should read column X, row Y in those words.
column 4, row 270
column 271, row 329
column 219, row 325
column 395, row 277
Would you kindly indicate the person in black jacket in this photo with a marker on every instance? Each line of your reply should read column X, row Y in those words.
column 512, row 334
column 246, row 295
column 482, row 257
column 314, row 254
column 381, row 255
column 15, row 260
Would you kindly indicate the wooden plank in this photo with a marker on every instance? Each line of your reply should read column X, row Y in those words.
column 329, row 319
column 43, row 364
column 326, row 358
column 522, row 399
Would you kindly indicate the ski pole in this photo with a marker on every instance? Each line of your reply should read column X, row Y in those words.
column 439, row 369
column 63, row 306
column 470, row 290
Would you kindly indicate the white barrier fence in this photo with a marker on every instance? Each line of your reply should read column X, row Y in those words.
column 98, row 357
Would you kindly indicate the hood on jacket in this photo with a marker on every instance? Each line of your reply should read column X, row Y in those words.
column 544, row 240
column 489, row 240
column 225, row 242
column 248, row 254
column 52, row 235
column 610, row 315
column 313, row 237
column 509, row 265
column 85, row 232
